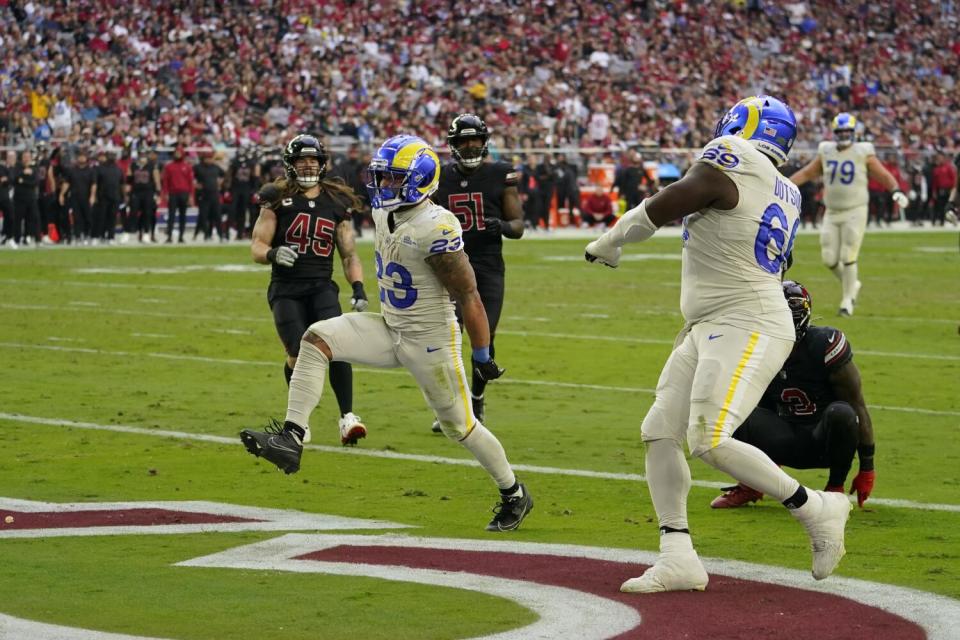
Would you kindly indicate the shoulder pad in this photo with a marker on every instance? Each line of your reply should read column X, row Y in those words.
column 268, row 195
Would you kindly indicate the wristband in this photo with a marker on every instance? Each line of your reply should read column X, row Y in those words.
column 482, row 354
column 272, row 255
column 634, row 226
column 358, row 289
column 865, row 452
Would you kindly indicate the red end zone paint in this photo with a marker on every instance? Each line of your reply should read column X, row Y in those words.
column 731, row 608
column 109, row 518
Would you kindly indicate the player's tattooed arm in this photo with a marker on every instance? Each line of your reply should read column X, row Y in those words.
column 812, row 170
column 347, row 248
column 263, row 231
column 512, row 213
column 455, row 273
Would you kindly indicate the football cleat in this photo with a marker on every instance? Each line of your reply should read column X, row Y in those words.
column 351, row 429
column 826, row 528
column 735, row 496
column 280, row 447
column 845, row 311
column 673, row 571
column 435, row 427
column 510, row 511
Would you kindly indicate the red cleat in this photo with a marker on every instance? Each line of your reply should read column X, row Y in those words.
column 734, row 497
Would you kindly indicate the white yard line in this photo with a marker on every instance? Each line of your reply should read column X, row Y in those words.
column 394, row 455
column 502, row 381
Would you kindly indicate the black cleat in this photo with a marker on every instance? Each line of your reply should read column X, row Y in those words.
column 275, row 445
column 435, row 427
column 510, row 512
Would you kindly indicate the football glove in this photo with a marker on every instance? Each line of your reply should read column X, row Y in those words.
column 488, row 370
column 599, row 251
column 863, row 485
column 950, row 215
column 493, row 225
column 900, row 198
column 359, row 300
column 283, row 256
column 268, row 195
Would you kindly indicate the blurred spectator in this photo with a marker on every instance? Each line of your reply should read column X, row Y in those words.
column 243, row 178
column 177, row 183
column 568, row 192
column 143, row 187
column 209, row 178
column 944, row 176
column 629, row 179
column 107, row 196
column 919, row 195
column 6, row 206
column 26, row 209
column 597, row 208
column 76, row 197
column 351, row 169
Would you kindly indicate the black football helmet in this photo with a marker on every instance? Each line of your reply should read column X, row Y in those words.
column 304, row 146
column 801, row 305
column 467, row 126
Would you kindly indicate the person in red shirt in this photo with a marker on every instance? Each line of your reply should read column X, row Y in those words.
column 597, row 208
column 954, row 203
column 944, row 177
column 177, row 182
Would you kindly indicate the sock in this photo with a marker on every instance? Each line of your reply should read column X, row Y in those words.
column 668, row 480
column 287, row 373
column 341, row 379
column 490, row 454
column 837, row 270
column 752, row 467
column 849, row 281
column 810, row 508
column 798, row 499
column 512, row 492
column 306, row 386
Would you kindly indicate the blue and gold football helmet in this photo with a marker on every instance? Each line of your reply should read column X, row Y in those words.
column 766, row 122
column 404, row 171
column 844, row 129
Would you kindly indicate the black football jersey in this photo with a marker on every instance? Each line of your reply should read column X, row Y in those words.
column 308, row 226
column 802, row 389
column 473, row 197
column 141, row 178
column 243, row 175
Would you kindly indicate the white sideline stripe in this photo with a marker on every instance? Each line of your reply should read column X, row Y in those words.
column 527, row 334
column 415, row 457
column 400, row 372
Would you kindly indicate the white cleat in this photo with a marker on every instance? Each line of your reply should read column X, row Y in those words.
column 826, row 528
column 351, row 429
column 673, row 571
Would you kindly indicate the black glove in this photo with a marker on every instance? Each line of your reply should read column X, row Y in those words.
column 488, row 370
column 359, row 300
column 493, row 225
column 268, row 195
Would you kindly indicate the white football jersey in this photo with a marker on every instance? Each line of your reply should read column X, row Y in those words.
column 412, row 298
column 845, row 174
column 733, row 259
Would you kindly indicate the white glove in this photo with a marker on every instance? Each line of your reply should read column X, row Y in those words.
column 283, row 256
column 901, row 199
column 603, row 252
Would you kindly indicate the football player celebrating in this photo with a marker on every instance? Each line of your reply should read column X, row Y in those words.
column 484, row 197
column 303, row 216
column 845, row 166
column 420, row 267
column 813, row 414
column 740, row 217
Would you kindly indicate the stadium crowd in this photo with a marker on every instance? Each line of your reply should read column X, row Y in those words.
column 139, row 75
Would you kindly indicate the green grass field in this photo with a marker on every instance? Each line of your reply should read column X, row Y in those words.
column 182, row 340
